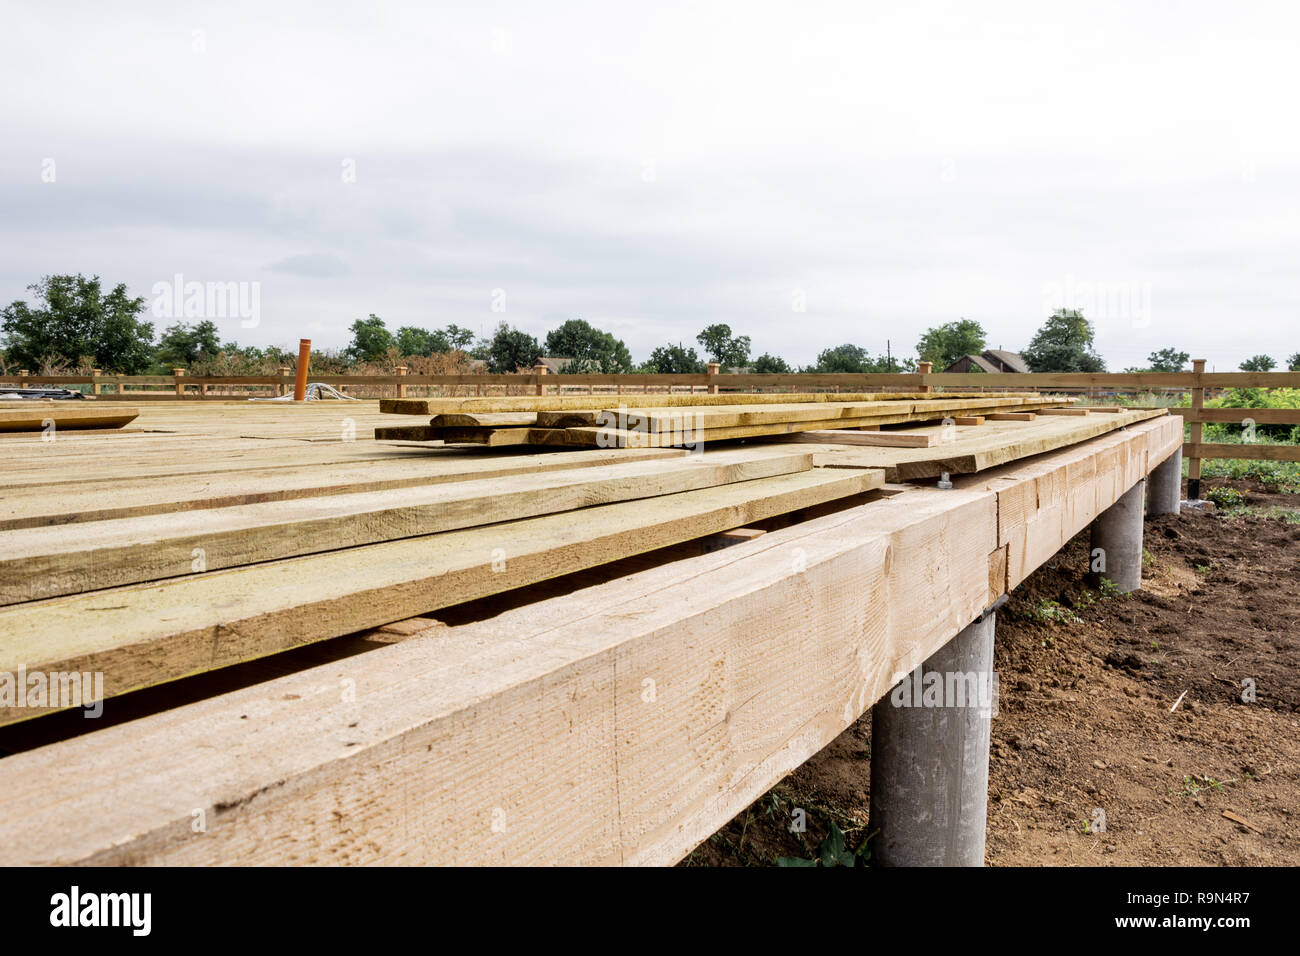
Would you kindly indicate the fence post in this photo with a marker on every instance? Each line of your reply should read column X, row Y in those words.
column 95, row 387
column 714, row 369
column 401, row 389
column 924, row 368
column 179, row 373
column 1198, row 404
column 22, row 377
column 539, row 370
column 280, row 387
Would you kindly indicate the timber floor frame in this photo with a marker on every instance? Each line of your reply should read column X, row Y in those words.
column 617, row 714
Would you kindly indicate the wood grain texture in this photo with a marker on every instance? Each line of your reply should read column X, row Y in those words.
column 518, row 403
column 42, row 503
column 142, row 635
column 38, row 563
column 848, row 436
column 34, row 416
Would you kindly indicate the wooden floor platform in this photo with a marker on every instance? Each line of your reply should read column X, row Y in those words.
column 579, row 680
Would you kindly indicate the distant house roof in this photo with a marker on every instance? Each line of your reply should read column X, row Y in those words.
column 993, row 361
column 1010, row 361
column 970, row 363
column 554, row 363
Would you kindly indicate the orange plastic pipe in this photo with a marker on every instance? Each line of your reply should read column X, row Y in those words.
column 304, row 359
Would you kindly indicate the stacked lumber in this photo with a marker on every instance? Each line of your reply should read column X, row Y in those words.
column 668, row 421
column 538, row 716
column 204, row 539
column 34, row 415
column 933, row 451
column 179, row 576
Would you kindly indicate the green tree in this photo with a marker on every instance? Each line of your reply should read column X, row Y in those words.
column 1293, row 363
column 183, row 344
column 945, row 344
column 721, row 346
column 674, row 360
column 1168, row 360
column 511, row 350
column 1258, row 363
column 458, row 337
column 73, row 319
column 415, row 341
column 767, row 364
column 592, row 350
column 1064, row 344
column 371, row 340
column 844, row 358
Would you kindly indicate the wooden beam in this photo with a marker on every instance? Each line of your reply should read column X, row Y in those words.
column 1010, row 417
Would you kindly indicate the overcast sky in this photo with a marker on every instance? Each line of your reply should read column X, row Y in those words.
column 656, row 167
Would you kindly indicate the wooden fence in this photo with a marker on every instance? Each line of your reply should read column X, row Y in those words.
column 1095, row 385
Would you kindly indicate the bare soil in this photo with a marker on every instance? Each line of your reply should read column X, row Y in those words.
column 1087, row 720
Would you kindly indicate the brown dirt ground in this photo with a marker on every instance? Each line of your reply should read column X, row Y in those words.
column 1085, row 719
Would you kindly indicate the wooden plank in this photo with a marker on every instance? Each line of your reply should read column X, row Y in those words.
column 732, row 416
column 142, row 635
column 968, row 420
column 501, row 437
column 408, row 433
column 1063, row 411
column 485, row 420
column 877, row 438
column 966, row 453
column 1010, row 417
column 38, row 563
column 977, row 454
column 606, row 437
column 1261, row 416
column 35, row 416
column 56, row 503
column 518, row 403
column 1251, row 450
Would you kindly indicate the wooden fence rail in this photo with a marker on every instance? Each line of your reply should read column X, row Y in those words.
column 180, row 386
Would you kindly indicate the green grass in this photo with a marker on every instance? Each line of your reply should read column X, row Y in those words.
column 1280, row 477
column 1288, row 515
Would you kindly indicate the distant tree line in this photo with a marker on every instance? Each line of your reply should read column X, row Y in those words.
column 71, row 322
